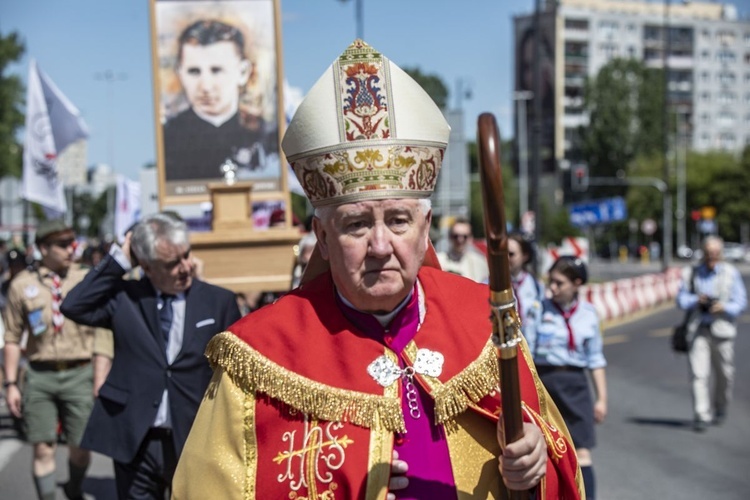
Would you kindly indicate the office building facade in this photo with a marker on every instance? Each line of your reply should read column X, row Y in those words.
column 707, row 58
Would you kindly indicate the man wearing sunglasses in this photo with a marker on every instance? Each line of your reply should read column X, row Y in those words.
column 58, row 382
column 462, row 257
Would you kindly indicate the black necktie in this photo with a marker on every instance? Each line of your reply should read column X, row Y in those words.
column 165, row 316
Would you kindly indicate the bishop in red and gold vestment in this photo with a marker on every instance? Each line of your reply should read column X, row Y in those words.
column 377, row 377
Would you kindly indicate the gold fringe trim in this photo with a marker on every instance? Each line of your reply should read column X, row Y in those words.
column 476, row 381
column 252, row 372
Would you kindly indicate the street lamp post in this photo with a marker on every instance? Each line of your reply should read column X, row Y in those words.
column 520, row 97
column 681, row 156
column 109, row 77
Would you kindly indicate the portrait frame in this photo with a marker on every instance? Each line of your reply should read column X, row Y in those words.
column 195, row 148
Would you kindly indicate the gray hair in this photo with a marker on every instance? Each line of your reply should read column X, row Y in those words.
column 326, row 213
column 713, row 240
column 157, row 227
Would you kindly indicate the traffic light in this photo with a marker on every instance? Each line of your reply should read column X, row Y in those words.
column 579, row 177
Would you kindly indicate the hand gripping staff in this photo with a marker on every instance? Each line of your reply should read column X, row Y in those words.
column 506, row 327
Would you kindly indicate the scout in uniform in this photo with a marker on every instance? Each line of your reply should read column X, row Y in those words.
column 58, row 384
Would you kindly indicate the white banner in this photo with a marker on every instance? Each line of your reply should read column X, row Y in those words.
column 52, row 124
column 127, row 206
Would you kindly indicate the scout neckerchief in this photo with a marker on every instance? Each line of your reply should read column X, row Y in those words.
column 566, row 316
column 56, row 289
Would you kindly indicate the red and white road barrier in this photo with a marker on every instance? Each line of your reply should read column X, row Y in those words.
column 616, row 299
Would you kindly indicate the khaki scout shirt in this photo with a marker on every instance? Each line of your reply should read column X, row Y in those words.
column 30, row 294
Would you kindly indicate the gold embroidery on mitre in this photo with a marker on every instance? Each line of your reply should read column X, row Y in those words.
column 456, row 395
column 253, row 372
column 361, row 171
column 363, row 93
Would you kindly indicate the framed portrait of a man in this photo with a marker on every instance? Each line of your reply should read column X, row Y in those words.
column 217, row 96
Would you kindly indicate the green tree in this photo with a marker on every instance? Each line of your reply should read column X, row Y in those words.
column 714, row 179
column 11, row 99
column 555, row 224
column 432, row 84
column 722, row 181
column 624, row 105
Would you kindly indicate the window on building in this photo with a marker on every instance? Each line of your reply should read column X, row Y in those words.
column 706, row 97
column 726, row 37
column 726, row 78
column 577, row 24
column 705, row 54
column 608, row 28
column 705, row 77
column 706, row 118
column 746, row 38
column 725, row 119
column 727, row 141
column 651, row 33
column 726, row 97
column 726, row 56
column 609, row 50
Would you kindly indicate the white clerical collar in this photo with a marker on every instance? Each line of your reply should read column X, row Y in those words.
column 216, row 121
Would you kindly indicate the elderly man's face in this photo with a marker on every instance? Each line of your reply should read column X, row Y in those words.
column 712, row 252
column 172, row 271
column 211, row 76
column 375, row 249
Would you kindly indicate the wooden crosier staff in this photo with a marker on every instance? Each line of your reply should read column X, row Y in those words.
column 506, row 327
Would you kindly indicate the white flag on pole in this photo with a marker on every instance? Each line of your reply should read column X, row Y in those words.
column 127, row 205
column 52, row 124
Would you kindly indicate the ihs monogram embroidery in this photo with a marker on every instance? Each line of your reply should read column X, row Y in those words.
column 320, row 452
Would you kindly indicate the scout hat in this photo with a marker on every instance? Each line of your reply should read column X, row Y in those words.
column 366, row 131
column 50, row 228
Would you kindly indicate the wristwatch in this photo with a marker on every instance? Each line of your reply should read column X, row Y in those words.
column 8, row 383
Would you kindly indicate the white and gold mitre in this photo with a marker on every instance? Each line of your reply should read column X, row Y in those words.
column 366, row 131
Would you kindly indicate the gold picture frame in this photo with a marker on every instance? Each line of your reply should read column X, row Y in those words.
column 201, row 51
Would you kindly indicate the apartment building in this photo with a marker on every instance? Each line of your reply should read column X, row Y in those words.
column 707, row 56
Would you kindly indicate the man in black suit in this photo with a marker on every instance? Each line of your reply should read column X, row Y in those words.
column 161, row 326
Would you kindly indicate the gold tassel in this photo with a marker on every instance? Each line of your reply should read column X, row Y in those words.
column 476, row 381
column 252, row 372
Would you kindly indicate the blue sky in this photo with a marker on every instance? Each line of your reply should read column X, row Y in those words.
column 467, row 43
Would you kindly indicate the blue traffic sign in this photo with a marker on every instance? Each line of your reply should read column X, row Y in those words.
column 602, row 211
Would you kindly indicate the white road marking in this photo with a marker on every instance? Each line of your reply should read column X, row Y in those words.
column 8, row 448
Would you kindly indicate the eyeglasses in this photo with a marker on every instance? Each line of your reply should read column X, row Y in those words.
column 64, row 243
column 459, row 236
